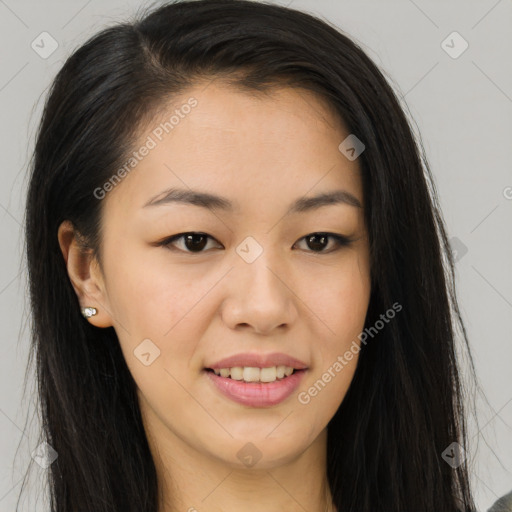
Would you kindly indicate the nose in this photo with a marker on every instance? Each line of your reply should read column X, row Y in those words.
column 259, row 298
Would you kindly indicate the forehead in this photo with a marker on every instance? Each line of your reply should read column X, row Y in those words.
column 243, row 145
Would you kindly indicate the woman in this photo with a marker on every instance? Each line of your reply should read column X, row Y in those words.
column 241, row 283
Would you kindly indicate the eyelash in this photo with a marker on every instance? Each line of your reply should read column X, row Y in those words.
column 341, row 240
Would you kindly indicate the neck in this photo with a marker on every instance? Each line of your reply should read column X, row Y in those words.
column 194, row 481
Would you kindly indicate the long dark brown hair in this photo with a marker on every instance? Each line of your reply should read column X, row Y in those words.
column 404, row 406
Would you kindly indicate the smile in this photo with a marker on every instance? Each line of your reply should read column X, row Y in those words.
column 256, row 387
column 254, row 374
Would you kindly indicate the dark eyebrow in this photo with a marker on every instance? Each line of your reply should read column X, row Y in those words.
column 305, row 204
column 206, row 200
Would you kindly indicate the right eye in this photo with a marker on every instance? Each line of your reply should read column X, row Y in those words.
column 193, row 242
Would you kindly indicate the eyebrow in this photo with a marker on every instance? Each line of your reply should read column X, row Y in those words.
column 211, row 201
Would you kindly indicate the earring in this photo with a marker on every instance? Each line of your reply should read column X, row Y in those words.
column 88, row 312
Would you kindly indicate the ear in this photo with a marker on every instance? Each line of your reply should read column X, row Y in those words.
column 85, row 275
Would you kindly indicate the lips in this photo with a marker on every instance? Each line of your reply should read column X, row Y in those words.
column 265, row 389
column 256, row 394
column 258, row 361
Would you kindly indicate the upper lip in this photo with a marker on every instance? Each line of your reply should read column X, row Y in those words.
column 259, row 361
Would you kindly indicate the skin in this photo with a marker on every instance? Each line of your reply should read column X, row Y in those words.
column 262, row 152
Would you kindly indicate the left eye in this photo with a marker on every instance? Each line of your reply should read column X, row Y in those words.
column 319, row 240
column 195, row 242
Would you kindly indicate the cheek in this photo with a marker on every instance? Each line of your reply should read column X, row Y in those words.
column 353, row 291
column 327, row 386
column 340, row 300
column 159, row 312
column 148, row 297
column 349, row 307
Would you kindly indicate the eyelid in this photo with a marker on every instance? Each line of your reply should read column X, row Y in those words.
column 341, row 240
column 166, row 242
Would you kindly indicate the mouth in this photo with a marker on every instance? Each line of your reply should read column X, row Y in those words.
column 255, row 374
column 255, row 387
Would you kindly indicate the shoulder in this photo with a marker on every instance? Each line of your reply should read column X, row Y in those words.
column 504, row 504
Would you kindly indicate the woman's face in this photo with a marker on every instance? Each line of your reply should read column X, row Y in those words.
column 254, row 286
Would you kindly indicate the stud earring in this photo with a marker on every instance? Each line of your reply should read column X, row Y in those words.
column 88, row 312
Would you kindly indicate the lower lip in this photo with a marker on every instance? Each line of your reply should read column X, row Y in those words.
column 257, row 394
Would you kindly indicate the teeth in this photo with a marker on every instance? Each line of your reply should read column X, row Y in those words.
column 253, row 374
column 236, row 373
column 268, row 374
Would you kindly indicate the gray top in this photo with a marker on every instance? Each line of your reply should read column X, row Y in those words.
column 504, row 504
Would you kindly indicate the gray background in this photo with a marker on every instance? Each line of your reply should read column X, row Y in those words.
column 462, row 107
